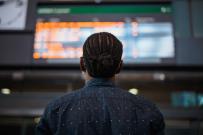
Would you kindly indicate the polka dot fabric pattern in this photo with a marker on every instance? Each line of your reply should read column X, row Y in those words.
column 101, row 108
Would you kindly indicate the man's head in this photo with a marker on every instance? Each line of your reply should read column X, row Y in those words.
column 102, row 54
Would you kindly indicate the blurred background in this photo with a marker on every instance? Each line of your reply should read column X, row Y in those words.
column 40, row 46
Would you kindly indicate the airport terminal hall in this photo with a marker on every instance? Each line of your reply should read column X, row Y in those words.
column 101, row 67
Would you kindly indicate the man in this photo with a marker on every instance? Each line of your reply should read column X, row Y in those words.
column 101, row 108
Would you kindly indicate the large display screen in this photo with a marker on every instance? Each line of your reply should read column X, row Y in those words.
column 146, row 32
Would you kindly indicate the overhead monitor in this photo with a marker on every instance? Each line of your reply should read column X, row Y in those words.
column 146, row 31
column 13, row 14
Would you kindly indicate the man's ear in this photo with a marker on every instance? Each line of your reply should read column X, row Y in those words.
column 82, row 64
column 119, row 67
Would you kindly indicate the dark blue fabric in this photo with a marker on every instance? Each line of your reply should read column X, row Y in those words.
column 101, row 108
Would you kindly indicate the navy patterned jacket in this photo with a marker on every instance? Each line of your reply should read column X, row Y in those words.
column 101, row 108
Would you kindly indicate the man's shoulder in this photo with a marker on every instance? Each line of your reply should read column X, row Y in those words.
column 137, row 100
column 63, row 100
column 145, row 107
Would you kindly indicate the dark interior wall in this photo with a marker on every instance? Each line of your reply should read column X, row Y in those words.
column 16, row 47
column 197, row 10
column 188, row 31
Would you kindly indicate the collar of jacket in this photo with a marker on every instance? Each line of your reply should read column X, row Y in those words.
column 100, row 82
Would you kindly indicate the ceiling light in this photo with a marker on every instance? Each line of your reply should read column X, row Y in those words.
column 134, row 91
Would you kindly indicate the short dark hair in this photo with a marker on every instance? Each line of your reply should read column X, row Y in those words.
column 102, row 54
